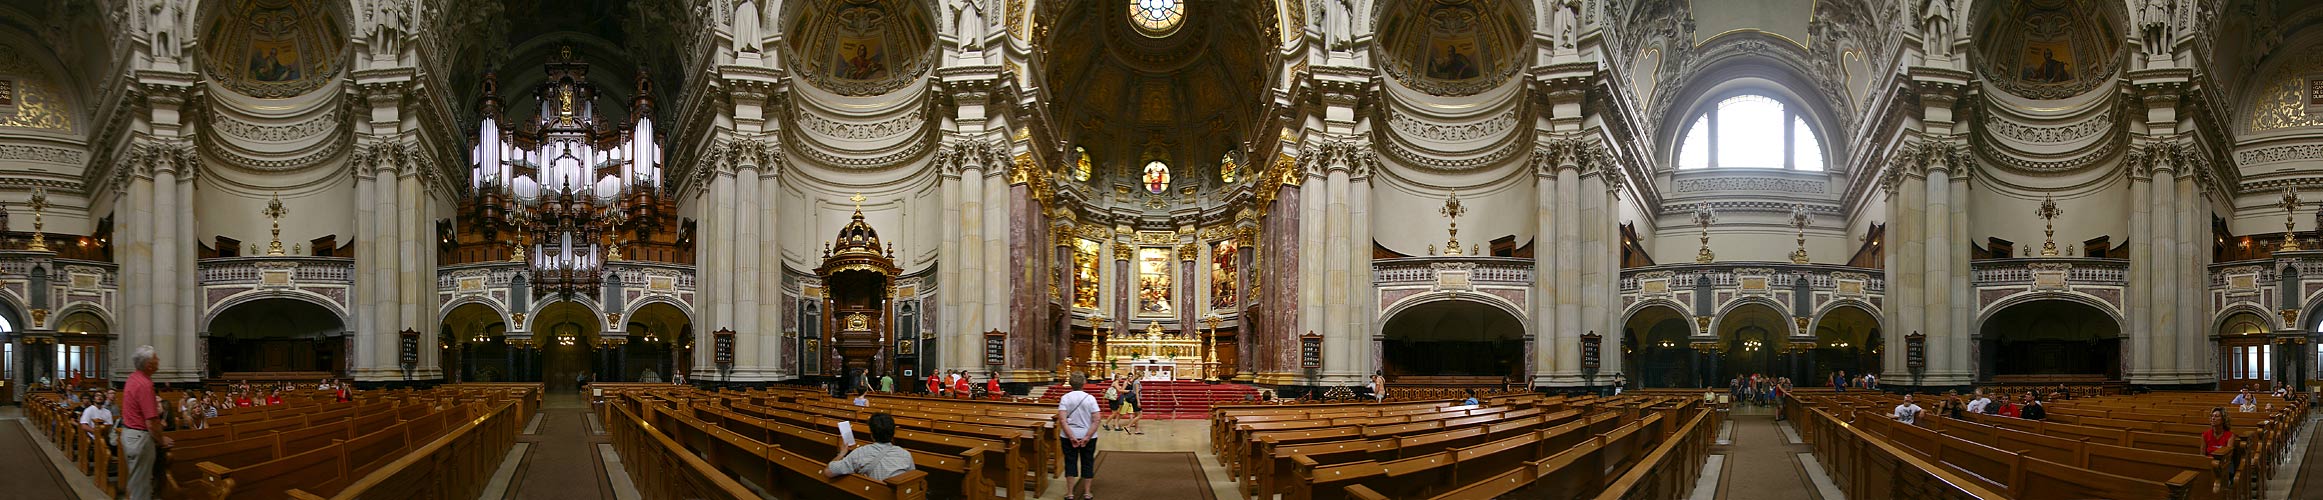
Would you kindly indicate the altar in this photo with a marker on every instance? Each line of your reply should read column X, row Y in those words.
column 1153, row 369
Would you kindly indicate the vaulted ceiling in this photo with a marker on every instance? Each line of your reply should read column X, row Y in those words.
column 1187, row 96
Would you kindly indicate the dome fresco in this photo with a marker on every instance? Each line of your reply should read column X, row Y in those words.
column 1452, row 47
column 2049, row 49
column 274, row 48
column 861, row 47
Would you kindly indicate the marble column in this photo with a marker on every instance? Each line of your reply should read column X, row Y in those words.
column 186, row 283
column 1963, row 294
column 951, row 287
column 2162, row 360
column 998, row 281
column 1545, row 360
column 1941, row 336
column 1339, row 366
column 2138, row 363
column 1594, row 195
column 1314, row 315
column 1608, row 323
column 1567, row 334
column 749, row 357
column 411, row 276
column 706, row 249
column 2194, row 312
column 1362, row 304
column 364, row 304
column 966, row 341
column 164, row 285
column 722, row 291
column 386, row 311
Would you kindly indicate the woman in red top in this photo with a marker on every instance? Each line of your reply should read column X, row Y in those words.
column 2218, row 444
column 935, row 384
column 992, row 387
column 2007, row 409
column 242, row 399
column 960, row 388
column 273, row 399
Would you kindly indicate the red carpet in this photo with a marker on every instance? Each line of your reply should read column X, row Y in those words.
column 1179, row 399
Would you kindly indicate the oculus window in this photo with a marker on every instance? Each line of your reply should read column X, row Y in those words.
column 1750, row 131
column 1157, row 18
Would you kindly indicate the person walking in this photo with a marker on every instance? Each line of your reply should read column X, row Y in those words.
column 1130, row 404
column 141, row 424
column 1076, row 422
column 886, row 383
column 1113, row 405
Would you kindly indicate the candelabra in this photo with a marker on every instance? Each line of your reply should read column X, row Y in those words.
column 274, row 212
column 39, row 204
column 1799, row 220
column 1703, row 217
column 2048, row 214
column 1452, row 210
column 1210, row 348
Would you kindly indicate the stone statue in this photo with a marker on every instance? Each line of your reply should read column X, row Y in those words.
column 165, row 27
column 388, row 19
column 2154, row 26
column 969, row 23
column 1936, row 27
column 1335, row 19
column 746, row 35
column 1565, row 23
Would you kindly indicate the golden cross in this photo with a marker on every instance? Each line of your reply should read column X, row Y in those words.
column 858, row 199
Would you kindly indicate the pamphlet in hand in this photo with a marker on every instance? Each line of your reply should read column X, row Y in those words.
column 847, row 434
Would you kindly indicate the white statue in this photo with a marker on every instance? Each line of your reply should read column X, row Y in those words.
column 1565, row 23
column 969, row 23
column 746, row 36
column 165, row 27
column 1335, row 19
column 1936, row 26
column 388, row 19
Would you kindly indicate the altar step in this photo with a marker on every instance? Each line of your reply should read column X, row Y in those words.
column 1181, row 399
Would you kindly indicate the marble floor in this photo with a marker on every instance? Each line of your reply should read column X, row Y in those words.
column 1165, row 435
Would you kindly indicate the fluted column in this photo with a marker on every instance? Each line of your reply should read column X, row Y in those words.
column 364, row 305
column 136, row 242
column 966, row 342
column 998, row 281
column 768, row 247
column 186, row 282
column 1963, row 294
column 1336, row 337
column 1594, row 193
column 1568, row 275
column 1548, row 364
column 1608, row 321
column 1362, row 304
column 749, row 354
column 2162, row 361
column 385, row 294
column 2194, row 311
column 1941, row 336
column 950, row 281
column 165, row 283
column 1314, row 315
column 2139, row 363
column 414, row 283
column 723, row 290
column 706, row 250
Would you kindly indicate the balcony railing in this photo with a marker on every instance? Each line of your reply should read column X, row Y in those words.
column 1408, row 270
column 277, row 270
column 1731, row 274
column 2049, row 270
column 631, row 273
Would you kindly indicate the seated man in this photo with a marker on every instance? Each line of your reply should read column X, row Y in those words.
column 879, row 460
column 1908, row 413
column 1980, row 402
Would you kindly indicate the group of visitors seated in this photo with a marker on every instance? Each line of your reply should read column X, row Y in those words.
column 956, row 384
column 1840, row 381
column 2025, row 406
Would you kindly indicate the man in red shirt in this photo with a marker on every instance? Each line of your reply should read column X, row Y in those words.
column 960, row 388
column 992, row 386
column 935, row 384
column 141, row 423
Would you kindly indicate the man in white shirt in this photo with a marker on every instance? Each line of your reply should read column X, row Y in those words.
column 1978, row 405
column 1908, row 413
column 1077, row 426
column 96, row 414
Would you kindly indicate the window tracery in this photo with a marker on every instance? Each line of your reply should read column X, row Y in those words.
column 1157, row 18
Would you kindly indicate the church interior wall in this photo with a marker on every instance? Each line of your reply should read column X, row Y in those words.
column 2090, row 211
column 1406, row 218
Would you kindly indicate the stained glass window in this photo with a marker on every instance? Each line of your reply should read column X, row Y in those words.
column 1157, row 177
column 1156, row 17
column 1085, row 262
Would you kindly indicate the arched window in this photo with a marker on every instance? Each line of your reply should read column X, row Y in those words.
column 1750, row 131
column 1157, row 18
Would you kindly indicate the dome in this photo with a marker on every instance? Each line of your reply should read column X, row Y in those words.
column 2049, row 49
column 1452, row 47
column 861, row 47
column 273, row 48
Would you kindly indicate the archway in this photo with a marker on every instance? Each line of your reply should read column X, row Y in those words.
column 1655, row 342
column 2048, row 341
column 276, row 335
column 651, row 354
column 1847, row 338
column 566, row 335
column 82, row 347
column 1751, row 340
column 1454, row 341
column 479, row 352
column 2246, row 358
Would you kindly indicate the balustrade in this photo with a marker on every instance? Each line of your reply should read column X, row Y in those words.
column 1407, row 270
column 312, row 270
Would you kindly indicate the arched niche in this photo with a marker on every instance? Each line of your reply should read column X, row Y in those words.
column 2049, row 339
column 1847, row 338
column 1655, row 341
column 1752, row 339
column 1453, row 47
column 476, row 334
column 276, row 335
column 656, row 332
column 1453, row 338
column 566, row 333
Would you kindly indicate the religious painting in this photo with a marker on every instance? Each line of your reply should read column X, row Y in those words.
column 904, row 347
column 1453, row 58
column 859, row 58
column 274, row 49
column 1223, row 272
column 1226, row 169
column 1082, row 164
column 1085, row 262
column 2047, row 62
column 2049, row 49
column 1153, row 281
column 1156, row 177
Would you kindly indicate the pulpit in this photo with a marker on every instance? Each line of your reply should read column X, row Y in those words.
column 858, row 281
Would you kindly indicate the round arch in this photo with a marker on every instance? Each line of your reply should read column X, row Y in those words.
column 654, row 349
column 566, row 333
column 216, row 310
column 497, row 308
column 1642, row 305
column 1718, row 320
column 1753, row 338
column 2100, row 305
column 275, row 334
column 639, row 306
column 88, row 308
column 1849, row 337
column 1461, row 341
column 1656, row 347
column 1783, row 75
column 2049, row 339
column 1495, row 301
column 2246, row 353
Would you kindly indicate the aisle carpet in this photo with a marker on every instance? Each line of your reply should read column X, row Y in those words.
column 2311, row 466
column 29, row 476
column 563, row 463
column 1761, row 464
column 1140, row 475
